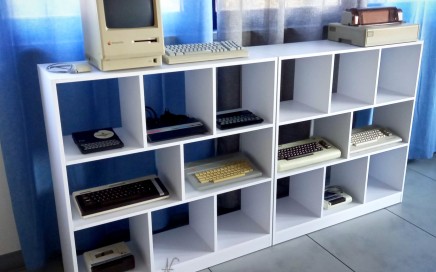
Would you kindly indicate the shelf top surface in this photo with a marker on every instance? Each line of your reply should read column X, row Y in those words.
column 257, row 54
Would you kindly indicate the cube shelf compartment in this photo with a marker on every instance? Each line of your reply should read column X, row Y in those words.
column 300, row 90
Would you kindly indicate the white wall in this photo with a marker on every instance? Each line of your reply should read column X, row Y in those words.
column 8, row 232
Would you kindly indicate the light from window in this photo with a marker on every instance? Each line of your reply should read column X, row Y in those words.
column 42, row 8
column 271, row 4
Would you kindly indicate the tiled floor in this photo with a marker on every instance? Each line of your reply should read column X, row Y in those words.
column 399, row 238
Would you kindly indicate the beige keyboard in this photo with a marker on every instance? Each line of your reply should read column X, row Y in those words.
column 371, row 137
column 220, row 170
column 305, row 152
column 184, row 53
column 226, row 172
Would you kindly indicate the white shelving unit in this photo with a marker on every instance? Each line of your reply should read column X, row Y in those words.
column 331, row 83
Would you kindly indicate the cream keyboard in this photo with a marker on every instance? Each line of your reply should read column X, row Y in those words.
column 370, row 137
column 305, row 152
column 220, row 170
column 183, row 53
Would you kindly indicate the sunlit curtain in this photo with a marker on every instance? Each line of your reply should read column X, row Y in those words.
column 272, row 22
column 46, row 31
column 422, row 12
column 278, row 21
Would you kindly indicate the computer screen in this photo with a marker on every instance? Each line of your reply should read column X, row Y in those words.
column 128, row 14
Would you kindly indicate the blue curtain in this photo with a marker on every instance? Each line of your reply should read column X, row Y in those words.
column 43, row 31
column 423, row 141
column 423, row 12
column 47, row 31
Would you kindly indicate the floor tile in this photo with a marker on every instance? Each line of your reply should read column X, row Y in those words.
column 418, row 206
column 301, row 254
column 426, row 167
column 379, row 242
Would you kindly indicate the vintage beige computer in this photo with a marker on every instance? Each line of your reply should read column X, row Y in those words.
column 122, row 34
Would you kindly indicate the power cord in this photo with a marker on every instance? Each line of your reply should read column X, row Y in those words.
column 60, row 68
column 71, row 68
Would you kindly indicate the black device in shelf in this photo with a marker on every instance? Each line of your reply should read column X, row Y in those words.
column 234, row 119
column 171, row 126
column 118, row 195
column 335, row 196
column 91, row 141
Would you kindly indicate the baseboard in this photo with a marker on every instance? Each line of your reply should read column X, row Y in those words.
column 12, row 262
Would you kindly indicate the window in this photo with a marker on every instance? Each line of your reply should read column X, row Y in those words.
column 169, row 6
column 42, row 8
column 271, row 4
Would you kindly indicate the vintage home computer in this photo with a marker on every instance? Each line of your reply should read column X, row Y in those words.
column 122, row 34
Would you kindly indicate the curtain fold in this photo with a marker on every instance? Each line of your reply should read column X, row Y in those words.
column 423, row 138
column 277, row 21
column 47, row 31
column 31, row 35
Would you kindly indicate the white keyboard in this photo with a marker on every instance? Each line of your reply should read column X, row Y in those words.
column 305, row 152
column 370, row 137
column 183, row 53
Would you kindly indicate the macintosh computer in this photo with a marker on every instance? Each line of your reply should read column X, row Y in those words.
column 122, row 34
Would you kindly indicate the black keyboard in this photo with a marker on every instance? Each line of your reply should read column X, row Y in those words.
column 118, row 195
column 238, row 118
column 97, row 140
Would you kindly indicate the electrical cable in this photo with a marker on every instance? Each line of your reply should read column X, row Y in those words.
column 60, row 68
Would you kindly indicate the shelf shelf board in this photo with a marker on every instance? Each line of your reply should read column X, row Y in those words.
column 385, row 96
column 140, row 265
column 290, row 213
column 340, row 209
column 180, row 141
column 377, row 149
column 308, row 168
column 240, row 130
column 182, row 242
column 194, row 194
column 343, row 103
column 377, row 190
column 293, row 111
column 236, row 228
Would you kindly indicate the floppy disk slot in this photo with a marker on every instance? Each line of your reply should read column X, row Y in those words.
column 151, row 40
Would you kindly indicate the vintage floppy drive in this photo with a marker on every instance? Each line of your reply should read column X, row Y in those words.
column 373, row 35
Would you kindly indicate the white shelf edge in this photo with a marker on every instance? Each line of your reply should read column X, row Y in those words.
column 192, row 194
